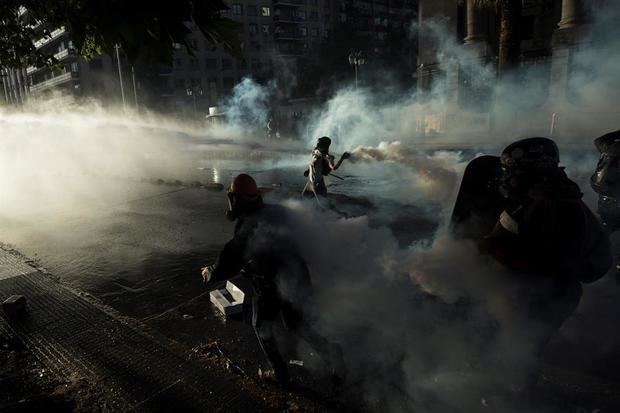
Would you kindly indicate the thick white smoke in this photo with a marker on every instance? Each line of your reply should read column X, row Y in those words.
column 371, row 292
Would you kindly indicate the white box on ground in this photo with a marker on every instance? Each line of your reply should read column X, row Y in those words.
column 228, row 300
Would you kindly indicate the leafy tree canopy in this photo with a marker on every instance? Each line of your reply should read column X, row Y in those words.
column 147, row 30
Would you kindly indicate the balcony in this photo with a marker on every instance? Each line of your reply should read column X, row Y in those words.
column 53, row 36
column 287, row 19
column 289, row 3
column 60, row 56
column 56, row 81
column 288, row 36
column 285, row 53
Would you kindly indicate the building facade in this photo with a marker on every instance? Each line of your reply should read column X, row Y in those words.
column 551, row 33
column 72, row 74
column 279, row 39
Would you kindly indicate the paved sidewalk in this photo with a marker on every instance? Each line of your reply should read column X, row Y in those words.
column 74, row 338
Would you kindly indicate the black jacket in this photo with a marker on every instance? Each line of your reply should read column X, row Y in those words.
column 551, row 232
column 264, row 248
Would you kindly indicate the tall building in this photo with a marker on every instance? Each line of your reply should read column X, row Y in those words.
column 72, row 74
column 275, row 37
column 279, row 39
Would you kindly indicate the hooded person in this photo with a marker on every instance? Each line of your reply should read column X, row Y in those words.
column 263, row 250
column 546, row 236
column 321, row 165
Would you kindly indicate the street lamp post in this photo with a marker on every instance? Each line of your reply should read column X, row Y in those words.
column 120, row 74
column 356, row 59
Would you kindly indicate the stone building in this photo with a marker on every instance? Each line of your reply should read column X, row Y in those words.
column 551, row 33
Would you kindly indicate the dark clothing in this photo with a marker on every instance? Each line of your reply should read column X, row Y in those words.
column 609, row 211
column 269, row 257
column 553, row 243
column 551, row 233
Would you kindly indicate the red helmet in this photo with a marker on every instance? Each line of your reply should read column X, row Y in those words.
column 244, row 184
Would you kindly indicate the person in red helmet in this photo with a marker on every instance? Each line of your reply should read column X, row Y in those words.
column 264, row 251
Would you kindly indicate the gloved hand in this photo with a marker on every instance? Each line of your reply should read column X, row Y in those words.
column 345, row 155
column 206, row 273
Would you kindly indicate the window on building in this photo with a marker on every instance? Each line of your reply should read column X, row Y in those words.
column 265, row 11
column 251, row 10
column 252, row 28
column 343, row 17
column 301, row 14
column 314, row 32
column 195, row 82
column 210, row 46
column 236, row 8
column 314, row 16
column 326, row 33
column 526, row 27
column 226, row 64
column 212, row 88
column 193, row 63
column 75, row 67
column 303, row 31
column 211, row 63
column 380, row 35
column 255, row 46
column 229, row 83
column 179, row 83
column 176, row 45
column 265, row 28
column 177, row 63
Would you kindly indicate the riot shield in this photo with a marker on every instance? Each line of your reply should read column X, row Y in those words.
column 479, row 202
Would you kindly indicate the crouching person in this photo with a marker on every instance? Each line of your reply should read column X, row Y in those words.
column 546, row 235
column 263, row 251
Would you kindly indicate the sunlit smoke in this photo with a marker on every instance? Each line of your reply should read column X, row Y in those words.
column 436, row 174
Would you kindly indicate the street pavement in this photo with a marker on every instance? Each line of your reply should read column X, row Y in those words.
column 71, row 336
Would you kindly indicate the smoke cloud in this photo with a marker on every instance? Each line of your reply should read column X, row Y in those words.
column 431, row 322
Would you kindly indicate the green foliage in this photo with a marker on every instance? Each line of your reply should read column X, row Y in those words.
column 147, row 30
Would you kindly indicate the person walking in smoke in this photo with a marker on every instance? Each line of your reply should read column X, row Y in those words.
column 321, row 165
column 264, row 251
column 545, row 235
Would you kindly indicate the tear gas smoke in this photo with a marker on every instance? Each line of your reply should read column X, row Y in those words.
column 372, row 295
column 400, row 342
column 436, row 174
